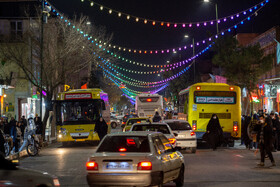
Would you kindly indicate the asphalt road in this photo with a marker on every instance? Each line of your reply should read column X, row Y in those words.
column 224, row 167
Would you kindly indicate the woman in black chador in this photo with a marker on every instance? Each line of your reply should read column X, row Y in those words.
column 214, row 132
column 101, row 128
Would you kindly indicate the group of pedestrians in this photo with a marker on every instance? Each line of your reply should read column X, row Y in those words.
column 262, row 132
column 13, row 132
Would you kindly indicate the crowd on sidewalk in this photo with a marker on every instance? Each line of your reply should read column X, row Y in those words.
column 261, row 132
column 15, row 133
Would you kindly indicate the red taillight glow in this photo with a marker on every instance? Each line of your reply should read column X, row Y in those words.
column 198, row 87
column 130, row 142
column 192, row 133
column 123, row 123
column 138, row 122
column 92, row 165
column 172, row 140
column 235, row 128
column 149, row 100
column 122, row 149
column 231, row 88
column 194, row 127
column 144, row 166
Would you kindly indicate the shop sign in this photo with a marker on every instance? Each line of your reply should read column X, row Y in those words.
column 271, row 91
column 215, row 100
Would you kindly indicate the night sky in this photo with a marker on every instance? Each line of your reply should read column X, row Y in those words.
column 146, row 36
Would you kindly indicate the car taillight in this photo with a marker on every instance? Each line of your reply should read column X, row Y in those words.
column 92, row 165
column 194, row 125
column 235, row 126
column 123, row 123
column 172, row 140
column 122, row 149
column 144, row 166
column 192, row 133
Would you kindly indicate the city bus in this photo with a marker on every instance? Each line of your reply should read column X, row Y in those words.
column 147, row 104
column 76, row 113
column 198, row 102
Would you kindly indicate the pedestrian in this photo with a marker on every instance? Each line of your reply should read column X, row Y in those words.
column 252, row 133
column 265, row 139
column 38, row 124
column 15, row 134
column 275, row 130
column 278, row 132
column 101, row 128
column 156, row 117
column 2, row 142
column 214, row 132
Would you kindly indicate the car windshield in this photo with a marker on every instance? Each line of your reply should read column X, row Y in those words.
column 138, row 144
column 156, row 128
column 132, row 121
column 177, row 125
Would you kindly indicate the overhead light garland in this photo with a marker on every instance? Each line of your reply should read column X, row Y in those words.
column 198, row 24
column 90, row 38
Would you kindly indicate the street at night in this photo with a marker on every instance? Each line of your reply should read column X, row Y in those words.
column 225, row 167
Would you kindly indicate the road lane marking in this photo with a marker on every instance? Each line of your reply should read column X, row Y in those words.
column 239, row 156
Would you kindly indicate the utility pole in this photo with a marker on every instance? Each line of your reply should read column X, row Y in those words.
column 41, row 58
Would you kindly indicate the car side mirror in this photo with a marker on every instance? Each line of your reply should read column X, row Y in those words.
column 175, row 134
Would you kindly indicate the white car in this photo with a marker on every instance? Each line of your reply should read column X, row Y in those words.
column 11, row 175
column 156, row 127
column 186, row 138
column 135, row 159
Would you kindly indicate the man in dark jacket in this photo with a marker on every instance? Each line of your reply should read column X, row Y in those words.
column 38, row 124
column 275, row 128
column 265, row 139
column 101, row 128
column 156, row 117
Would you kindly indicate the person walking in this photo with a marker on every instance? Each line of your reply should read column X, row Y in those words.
column 2, row 142
column 101, row 128
column 38, row 124
column 15, row 133
column 214, row 136
column 265, row 139
column 156, row 117
column 275, row 130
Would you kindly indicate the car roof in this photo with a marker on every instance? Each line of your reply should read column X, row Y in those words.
column 153, row 123
column 133, row 133
column 137, row 118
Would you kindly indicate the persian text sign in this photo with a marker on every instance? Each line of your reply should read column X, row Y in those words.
column 78, row 96
column 215, row 100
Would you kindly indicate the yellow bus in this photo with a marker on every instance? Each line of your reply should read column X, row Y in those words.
column 198, row 102
column 76, row 114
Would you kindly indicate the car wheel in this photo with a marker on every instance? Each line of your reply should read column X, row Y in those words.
column 113, row 125
column 180, row 180
column 193, row 149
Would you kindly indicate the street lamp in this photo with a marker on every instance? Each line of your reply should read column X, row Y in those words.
column 217, row 17
column 193, row 46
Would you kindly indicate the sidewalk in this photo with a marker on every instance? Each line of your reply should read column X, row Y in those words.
column 24, row 153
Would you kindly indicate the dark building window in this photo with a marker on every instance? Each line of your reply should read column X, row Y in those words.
column 16, row 30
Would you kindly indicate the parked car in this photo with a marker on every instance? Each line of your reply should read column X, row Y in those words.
column 12, row 175
column 135, row 159
column 186, row 138
column 115, row 122
column 156, row 127
column 131, row 121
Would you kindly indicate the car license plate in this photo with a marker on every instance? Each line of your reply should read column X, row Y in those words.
column 118, row 165
column 181, row 136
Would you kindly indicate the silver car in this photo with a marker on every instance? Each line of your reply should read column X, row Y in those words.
column 135, row 159
column 11, row 175
column 157, row 127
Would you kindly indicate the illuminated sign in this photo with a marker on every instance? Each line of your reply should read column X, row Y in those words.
column 78, row 96
column 215, row 100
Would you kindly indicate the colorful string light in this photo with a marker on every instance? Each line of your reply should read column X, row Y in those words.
column 173, row 24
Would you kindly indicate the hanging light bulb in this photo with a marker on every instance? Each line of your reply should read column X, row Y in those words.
column 145, row 21
column 91, row 4
column 154, row 22
column 137, row 19
column 127, row 17
column 101, row 7
column 119, row 14
column 110, row 11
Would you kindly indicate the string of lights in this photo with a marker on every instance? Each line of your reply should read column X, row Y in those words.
column 90, row 38
column 172, row 24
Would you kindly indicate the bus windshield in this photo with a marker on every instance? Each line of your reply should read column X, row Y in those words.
column 78, row 112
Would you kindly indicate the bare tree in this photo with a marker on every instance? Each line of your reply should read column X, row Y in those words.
column 66, row 51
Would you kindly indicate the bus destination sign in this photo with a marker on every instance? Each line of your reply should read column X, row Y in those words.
column 78, row 96
column 215, row 100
